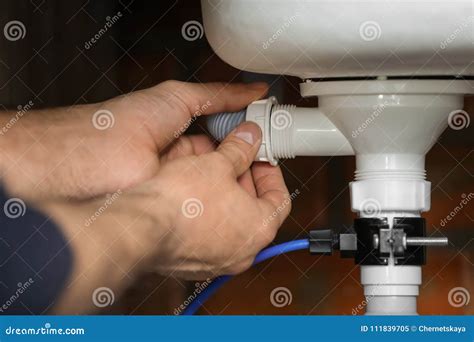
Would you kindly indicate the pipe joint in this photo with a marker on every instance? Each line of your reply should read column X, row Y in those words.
column 287, row 131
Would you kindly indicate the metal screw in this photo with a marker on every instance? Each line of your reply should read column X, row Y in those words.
column 426, row 241
column 375, row 241
column 414, row 241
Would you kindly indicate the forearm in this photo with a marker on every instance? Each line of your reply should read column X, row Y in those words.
column 111, row 242
column 16, row 136
column 36, row 144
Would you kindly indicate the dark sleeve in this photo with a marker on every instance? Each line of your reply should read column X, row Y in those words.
column 35, row 259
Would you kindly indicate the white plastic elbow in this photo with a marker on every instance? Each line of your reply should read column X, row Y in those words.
column 287, row 131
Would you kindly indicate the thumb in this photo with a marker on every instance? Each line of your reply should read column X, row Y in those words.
column 241, row 146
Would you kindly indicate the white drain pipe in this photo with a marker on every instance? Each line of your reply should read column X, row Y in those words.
column 389, row 125
column 287, row 131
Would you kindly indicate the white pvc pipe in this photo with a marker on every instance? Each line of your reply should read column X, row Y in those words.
column 297, row 131
column 287, row 131
column 315, row 134
column 391, row 305
column 391, row 289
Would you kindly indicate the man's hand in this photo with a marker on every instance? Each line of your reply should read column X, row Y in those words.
column 222, row 213
column 88, row 150
column 204, row 214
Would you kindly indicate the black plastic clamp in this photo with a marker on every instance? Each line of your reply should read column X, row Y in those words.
column 373, row 242
column 376, row 241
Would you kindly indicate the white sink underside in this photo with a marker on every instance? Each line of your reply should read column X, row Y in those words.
column 341, row 38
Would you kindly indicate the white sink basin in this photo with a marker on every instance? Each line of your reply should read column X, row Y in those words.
column 340, row 38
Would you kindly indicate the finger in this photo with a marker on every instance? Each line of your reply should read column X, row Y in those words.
column 211, row 98
column 201, row 144
column 239, row 148
column 271, row 189
column 176, row 105
column 246, row 182
column 187, row 146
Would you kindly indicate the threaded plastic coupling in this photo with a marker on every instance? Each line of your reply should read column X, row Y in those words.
column 281, row 131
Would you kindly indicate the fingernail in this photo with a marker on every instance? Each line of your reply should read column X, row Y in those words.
column 248, row 132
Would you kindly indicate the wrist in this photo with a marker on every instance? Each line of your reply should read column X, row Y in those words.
column 12, row 142
column 123, row 226
column 111, row 245
column 20, row 132
column 34, row 146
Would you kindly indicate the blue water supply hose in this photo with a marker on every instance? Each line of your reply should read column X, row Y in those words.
column 265, row 254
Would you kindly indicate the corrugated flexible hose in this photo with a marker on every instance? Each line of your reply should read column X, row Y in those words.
column 220, row 125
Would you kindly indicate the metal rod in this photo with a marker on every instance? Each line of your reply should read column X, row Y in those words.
column 427, row 241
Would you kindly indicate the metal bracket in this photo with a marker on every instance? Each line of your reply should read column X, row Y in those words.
column 374, row 242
